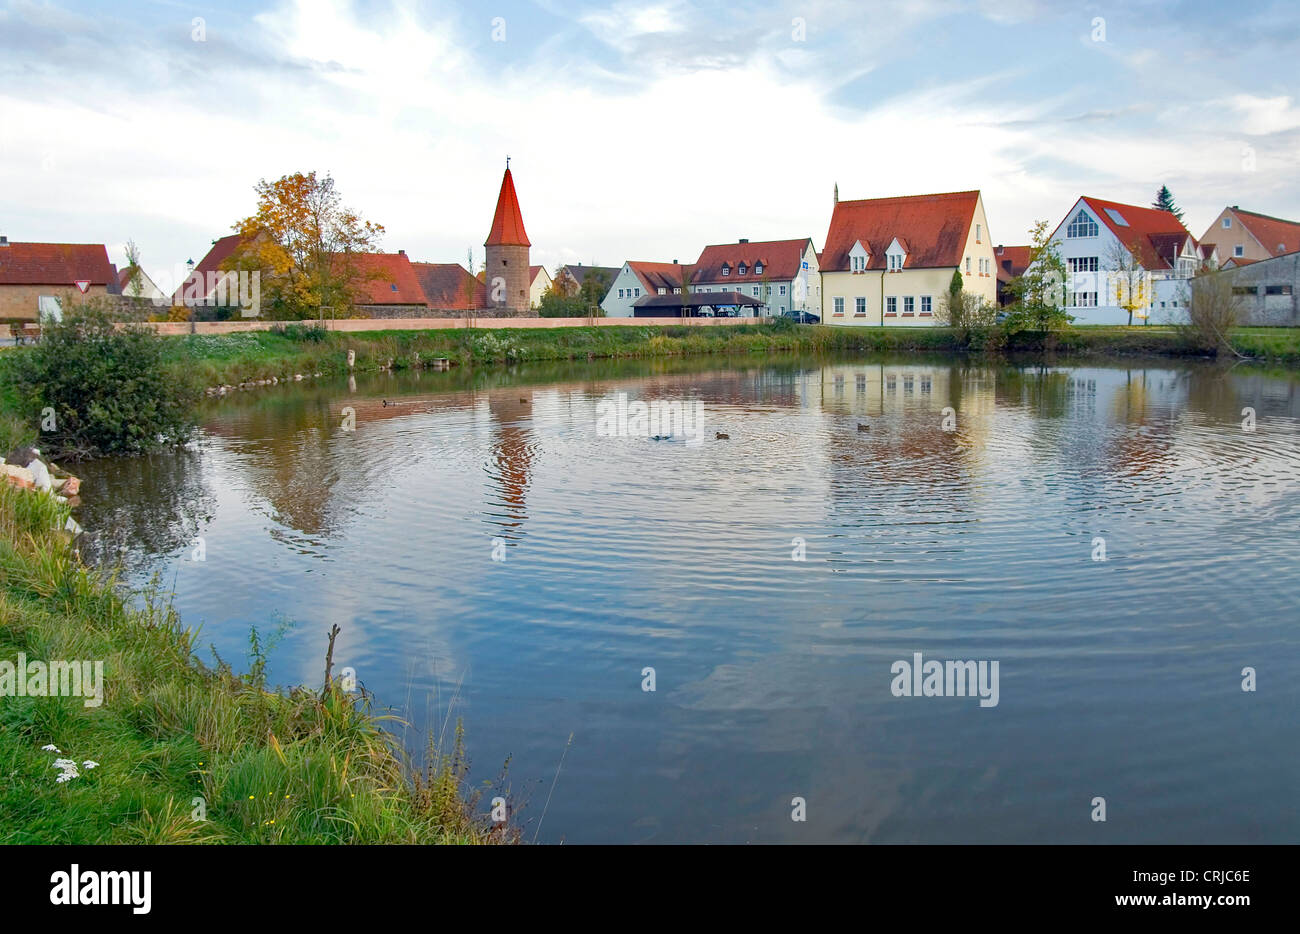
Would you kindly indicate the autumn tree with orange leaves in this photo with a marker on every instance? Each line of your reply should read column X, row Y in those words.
column 304, row 243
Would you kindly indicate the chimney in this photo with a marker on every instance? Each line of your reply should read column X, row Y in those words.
column 744, row 240
column 401, row 252
column 4, row 241
column 999, row 249
column 674, row 261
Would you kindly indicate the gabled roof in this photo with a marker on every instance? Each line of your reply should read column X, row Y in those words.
column 1011, row 261
column 445, row 285
column 580, row 272
column 656, row 276
column 218, row 254
column 934, row 227
column 385, row 279
column 1158, row 235
column 508, row 222
column 1271, row 232
column 535, row 271
column 56, row 264
column 781, row 259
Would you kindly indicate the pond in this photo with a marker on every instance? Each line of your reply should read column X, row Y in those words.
column 1110, row 544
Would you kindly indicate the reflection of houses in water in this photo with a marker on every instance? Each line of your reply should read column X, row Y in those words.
column 913, row 390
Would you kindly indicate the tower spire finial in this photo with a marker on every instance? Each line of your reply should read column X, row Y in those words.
column 507, row 163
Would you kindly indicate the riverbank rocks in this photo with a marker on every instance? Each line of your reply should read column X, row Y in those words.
column 20, row 477
column 37, row 475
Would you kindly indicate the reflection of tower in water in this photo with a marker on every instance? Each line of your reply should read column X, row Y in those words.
column 511, row 457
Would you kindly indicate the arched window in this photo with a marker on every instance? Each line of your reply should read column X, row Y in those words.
column 1082, row 226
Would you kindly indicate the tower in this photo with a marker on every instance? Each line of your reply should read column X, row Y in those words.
column 507, row 253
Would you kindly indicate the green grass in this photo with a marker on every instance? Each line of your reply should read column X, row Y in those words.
column 298, row 766
column 232, row 359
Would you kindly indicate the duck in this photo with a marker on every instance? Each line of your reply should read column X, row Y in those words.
column 862, row 427
column 721, row 436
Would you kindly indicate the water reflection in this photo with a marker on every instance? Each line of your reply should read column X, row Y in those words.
column 971, row 539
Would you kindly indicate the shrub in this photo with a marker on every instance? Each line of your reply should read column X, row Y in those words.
column 95, row 386
column 1215, row 308
column 302, row 333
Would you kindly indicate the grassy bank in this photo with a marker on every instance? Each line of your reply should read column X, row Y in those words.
column 174, row 739
column 237, row 358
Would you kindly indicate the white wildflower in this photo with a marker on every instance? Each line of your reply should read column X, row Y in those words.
column 66, row 777
column 90, row 764
column 64, row 764
column 51, row 748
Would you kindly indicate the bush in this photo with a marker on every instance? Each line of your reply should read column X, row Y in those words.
column 96, row 387
column 1215, row 308
column 302, row 333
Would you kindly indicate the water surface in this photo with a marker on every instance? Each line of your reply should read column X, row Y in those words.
column 1118, row 678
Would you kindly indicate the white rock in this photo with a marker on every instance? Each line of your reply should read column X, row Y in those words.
column 40, row 475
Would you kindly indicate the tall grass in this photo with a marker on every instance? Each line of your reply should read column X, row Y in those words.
column 176, row 740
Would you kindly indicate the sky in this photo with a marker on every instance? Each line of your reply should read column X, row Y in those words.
column 638, row 129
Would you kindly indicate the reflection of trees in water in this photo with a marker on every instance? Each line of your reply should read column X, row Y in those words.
column 150, row 505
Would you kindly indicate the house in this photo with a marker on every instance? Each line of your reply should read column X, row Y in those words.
column 143, row 287
column 1010, row 262
column 541, row 282
column 782, row 274
column 889, row 261
column 386, row 285
column 1099, row 239
column 697, row 305
column 206, row 280
column 1247, row 235
column 449, row 287
column 570, row 278
column 35, row 277
column 1269, row 289
column 637, row 279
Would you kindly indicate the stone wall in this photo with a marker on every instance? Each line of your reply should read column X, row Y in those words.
column 1274, row 284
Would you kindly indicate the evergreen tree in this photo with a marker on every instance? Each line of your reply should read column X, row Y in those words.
column 1165, row 202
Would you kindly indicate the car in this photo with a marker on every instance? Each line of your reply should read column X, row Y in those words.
column 802, row 317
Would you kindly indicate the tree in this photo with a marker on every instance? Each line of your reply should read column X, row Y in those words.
column 1214, row 309
column 135, row 280
column 595, row 284
column 1131, row 283
column 304, row 243
column 1165, row 202
column 1040, row 291
column 470, row 287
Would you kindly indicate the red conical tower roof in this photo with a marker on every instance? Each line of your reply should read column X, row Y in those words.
column 508, row 222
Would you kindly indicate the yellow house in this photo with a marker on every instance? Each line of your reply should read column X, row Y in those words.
column 889, row 261
column 539, row 282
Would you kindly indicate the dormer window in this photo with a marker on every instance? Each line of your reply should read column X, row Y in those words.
column 896, row 255
column 743, row 267
column 859, row 257
column 758, row 269
column 726, row 270
column 662, row 290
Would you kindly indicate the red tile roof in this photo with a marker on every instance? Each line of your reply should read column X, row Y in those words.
column 211, row 263
column 781, row 259
column 445, row 284
column 935, row 228
column 1011, row 261
column 386, row 279
column 1158, row 235
column 1271, row 232
column 508, row 222
column 56, row 264
column 656, row 276
column 533, row 271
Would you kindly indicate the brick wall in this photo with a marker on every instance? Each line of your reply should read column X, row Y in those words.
column 21, row 301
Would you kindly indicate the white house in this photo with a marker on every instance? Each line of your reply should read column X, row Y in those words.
column 1099, row 239
column 637, row 279
column 784, row 275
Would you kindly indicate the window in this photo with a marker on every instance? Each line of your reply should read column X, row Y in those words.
column 1243, row 290
column 677, row 291
column 927, row 306
column 726, row 270
column 895, row 262
column 742, row 269
column 891, row 307
column 1277, row 290
column 891, row 384
column 1238, row 250
column 1081, row 226
column 1117, row 217
column 858, row 263
column 860, row 382
column 839, row 308
column 1082, row 299
column 1083, row 264
column 755, row 291
column 968, row 265
column 1227, row 223
column 393, row 286
column 620, row 294
column 909, row 306
column 758, row 269
column 977, row 233
column 663, row 291
column 925, row 385
column 782, row 292
column 907, row 384
column 860, row 307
